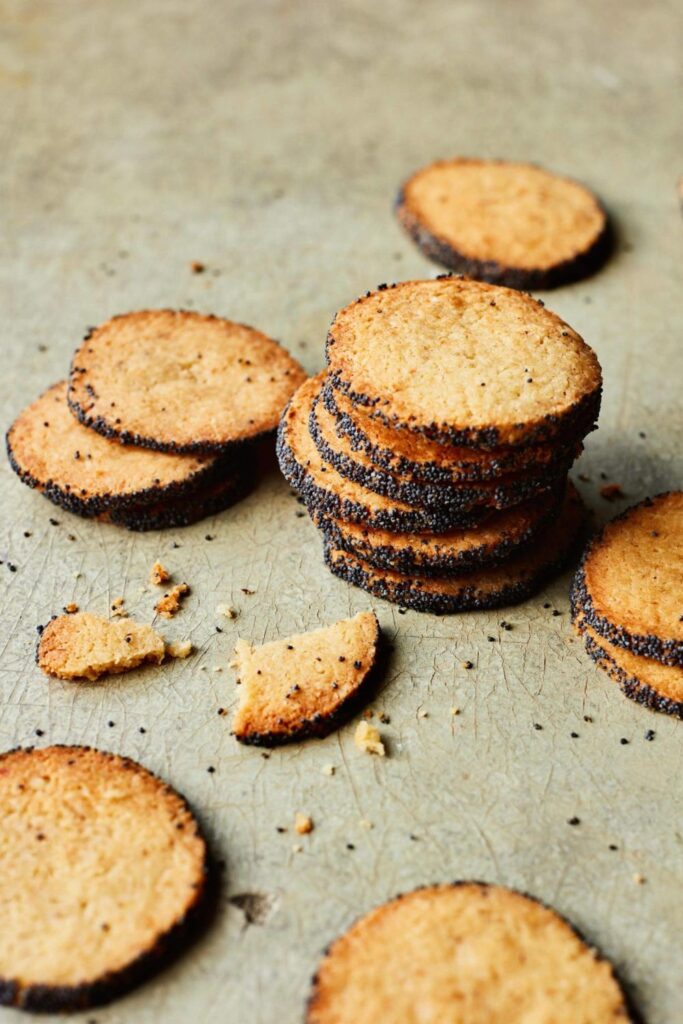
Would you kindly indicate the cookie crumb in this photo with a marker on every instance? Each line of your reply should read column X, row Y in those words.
column 455, row 711
column 71, row 608
column 303, row 824
column 297, row 848
column 328, row 769
column 422, row 713
column 197, row 267
column 169, row 604
column 639, row 879
column 226, row 610
column 158, row 575
column 611, row 492
column 117, row 606
column 179, row 649
column 367, row 739
column 364, row 823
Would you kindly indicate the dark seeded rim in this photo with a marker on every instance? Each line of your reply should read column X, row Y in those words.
column 465, row 496
column 668, row 652
column 506, row 461
column 102, row 990
column 323, row 502
column 318, row 726
column 633, row 1014
column 567, row 271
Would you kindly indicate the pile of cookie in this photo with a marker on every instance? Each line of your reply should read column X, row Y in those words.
column 433, row 452
column 627, row 605
column 157, row 423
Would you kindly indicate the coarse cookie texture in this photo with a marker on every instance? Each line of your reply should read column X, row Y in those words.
column 498, row 538
column 465, row 363
column 412, row 455
column 629, row 585
column 513, row 224
column 655, row 686
column 304, row 685
column 327, row 492
column 507, row 583
column 84, row 473
column 86, row 646
column 357, row 466
column 102, row 871
column 468, row 953
column 181, row 382
column 165, row 515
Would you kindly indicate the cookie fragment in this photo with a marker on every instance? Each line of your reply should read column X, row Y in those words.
column 513, row 224
column 178, row 381
column 629, row 585
column 102, row 871
column 170, row 604
column 465, row 363
column 464, row 952
column 86, row 646
column 306, row 684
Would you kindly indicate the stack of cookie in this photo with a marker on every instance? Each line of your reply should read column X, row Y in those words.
column 627, row 602
column 433, row 452
column 156, row 424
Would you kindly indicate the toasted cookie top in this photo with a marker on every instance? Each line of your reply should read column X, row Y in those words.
column 296, row 687
column 465, row 363
column 86, row 646
column 515, row 215
column 465, row 952
column 630, row 582
column 179, row 381
column 99, row 862
column 52, row 451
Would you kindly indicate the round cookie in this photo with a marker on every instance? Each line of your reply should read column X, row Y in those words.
column 468, row 952
column 655, row 686
column 180, row 382
column 504, row 584
column 102, row 870
column 493, row 494
column 412, row 455
column 465, row 363
column 327, row 493
column 84, row 473
column 218, row 497
column 498, row 538
column 629, row 585
column 513, row 224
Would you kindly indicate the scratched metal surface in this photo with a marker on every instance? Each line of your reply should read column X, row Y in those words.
column 267, row 139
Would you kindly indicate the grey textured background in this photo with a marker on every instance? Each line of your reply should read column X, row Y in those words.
column 267, row 140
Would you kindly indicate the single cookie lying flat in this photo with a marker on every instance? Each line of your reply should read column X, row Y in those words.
column 507, row 583
column 102, row 870
column 629, row 586
column 655, row 686
column 327, row 492
column 84, row 473
column 304, row 685
column 412, row 455
column 465, row 363
column 508, row 223
column 181, row 382
column 85, row 646
column 469, row 952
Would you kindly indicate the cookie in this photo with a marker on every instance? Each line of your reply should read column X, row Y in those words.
column 178, row 381
column 655, row 686
column 503, row 584
column 412, row 455
column 465, row 363
column 191, row 509
column 304, row 685
column 629, row 585
column 513, row 224
column 468, row 952
column 492, row 494
column 84, row 473
column 500, row 537
column 103, row 871
column 327, row 493
column 85, row 646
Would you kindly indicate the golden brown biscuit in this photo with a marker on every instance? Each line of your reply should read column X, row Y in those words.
column 102, row 871
column 468, row 953
column 508, row 223
column 465, row 363
column 85, row 646
column 180, row 382
column 304, row 685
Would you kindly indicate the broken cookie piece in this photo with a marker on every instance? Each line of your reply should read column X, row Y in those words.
column 159, row 574
column 85, row 646
column 304, row 685
column 169, row 604
column 367, row 738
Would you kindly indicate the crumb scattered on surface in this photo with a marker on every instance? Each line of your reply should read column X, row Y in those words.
column 158, row 575
column 169, row 604
column 328, row 769
column 179, row 649
column 611, row 492
column 217, row 668
column 226, row 610
column 117, row 606
column 197, row 267
column 302, row 824
column 455, row 711
column 368, row 739
column 364, row 823
column 422, row 713
column 71, row 608
column 297, row 848
column 639, row 879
